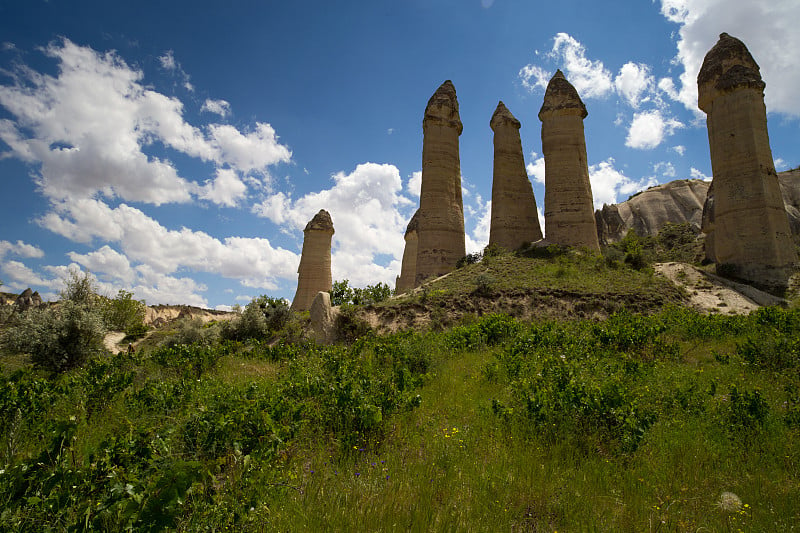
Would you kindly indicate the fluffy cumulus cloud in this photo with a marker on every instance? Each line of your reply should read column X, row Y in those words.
column 369, row 216
column 608, row 183
column 158, row 252
column 649, row 128
column 768, row 28
column 535, row 168
column 20, row 249
column 88, row 129
column 590, row 78
column 218, row 107
column 634, row 82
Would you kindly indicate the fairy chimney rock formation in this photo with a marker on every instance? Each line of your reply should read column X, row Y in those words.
column 568, row 207
column 314, row 272
column 749, row 228
column 515, row 219
column 440, row 229
column 408, row 274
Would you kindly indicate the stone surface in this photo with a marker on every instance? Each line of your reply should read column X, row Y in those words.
column 646, row 213
column 441, row 213
column 314, row 272
column 515, row 219
column 749, row 231
column 323, row 319
column 27, row 300
column 408, row 270
column 568, row 208
column 790, row 191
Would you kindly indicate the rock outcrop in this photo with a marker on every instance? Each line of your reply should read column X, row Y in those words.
column 790, row 190
column 646, row 213
column 27, row 300
column 568, row 209
column 515, row 219
column 323, row 319
column 441, row 213
column 749, row 230
column 408, row 270
column 314, row 272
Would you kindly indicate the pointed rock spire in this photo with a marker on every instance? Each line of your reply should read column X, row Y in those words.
column 314, row 272
column 561, row 95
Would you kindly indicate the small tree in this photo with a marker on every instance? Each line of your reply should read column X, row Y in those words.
column 342, row 293
column 123, row 313
column 262, row 317
column 64, row 336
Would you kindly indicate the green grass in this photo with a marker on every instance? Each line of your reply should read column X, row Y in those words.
column 636, row 423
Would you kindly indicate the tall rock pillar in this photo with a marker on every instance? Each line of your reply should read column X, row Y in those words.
column 515, row 219
column 408, row 270
column 751, row 236
column 441, row 212
column 314, row 272
column 568, row 210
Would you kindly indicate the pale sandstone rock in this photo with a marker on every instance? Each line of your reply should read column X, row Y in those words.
column 515, row 219
column 749, row 230
column 568, row 209
column 441, row 213
column 27, row 300
column 408, row 270
column 790, row 190
column 646, row 213
column 314, row 272
column 323, row 319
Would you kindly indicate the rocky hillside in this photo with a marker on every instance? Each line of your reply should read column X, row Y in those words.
column 678, row 202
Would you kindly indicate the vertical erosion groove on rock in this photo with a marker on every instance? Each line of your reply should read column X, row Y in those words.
column 314, row 272
column 748, row 231
column 408, row 270
column 515, row 219
column 568, row 207
column 440, row 229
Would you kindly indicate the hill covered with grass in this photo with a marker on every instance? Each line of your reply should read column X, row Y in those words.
column 595, row 411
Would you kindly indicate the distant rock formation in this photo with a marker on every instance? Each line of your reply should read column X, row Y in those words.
column 515, row 219
column 408, row 270
column 748, row 234
column 27, row 300
column 646, row 213
column 790, row 190
column 314, row 272
column 568, row 208
column 441, row 213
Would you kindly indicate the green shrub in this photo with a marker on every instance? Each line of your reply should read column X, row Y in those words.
column 123, row 313
column 341, row 293
column 262, row 317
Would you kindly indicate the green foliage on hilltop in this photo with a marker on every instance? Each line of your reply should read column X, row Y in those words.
column 342, row 293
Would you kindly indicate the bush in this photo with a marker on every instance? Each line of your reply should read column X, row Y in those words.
column 342, row 293
column 60, row 337
column 262, row 317
column 123, row 313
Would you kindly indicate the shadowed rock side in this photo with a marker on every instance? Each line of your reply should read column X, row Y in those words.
column 408, row 270
column 441, row 212
column 314, row 272
column 749, row 230
column 790, row 190
column 515, row 219
column 646, row 213
column 568, row 208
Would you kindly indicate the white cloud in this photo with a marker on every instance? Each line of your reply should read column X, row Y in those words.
column 608, row 183
column 649, row 128
column 168, row 60
column 108, row 261
column 415, row 184
column 253, row 261
column 536, row 168
column 679, row 149
column 87, row 130
column 665, row 168
column 633, row 82
column 479, row 238
column 781, row 165
column 227, row 189
column 365, row 207
column 589, row 77
column 18, row 277
column 698, row 175
column 20, row 249
column 218, row 107
column 768, row 28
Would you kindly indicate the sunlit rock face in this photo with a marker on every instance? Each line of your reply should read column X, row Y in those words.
column 568, row 207
column 515, row 219
column 441, row 213
column 748, row 233
column 314, row 272
column 408, row 270
column 646, row 212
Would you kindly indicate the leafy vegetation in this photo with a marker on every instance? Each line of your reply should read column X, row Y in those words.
column 494, row 424
column 342, row 293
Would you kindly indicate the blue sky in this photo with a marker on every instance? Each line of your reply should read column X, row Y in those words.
column 177, row 149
